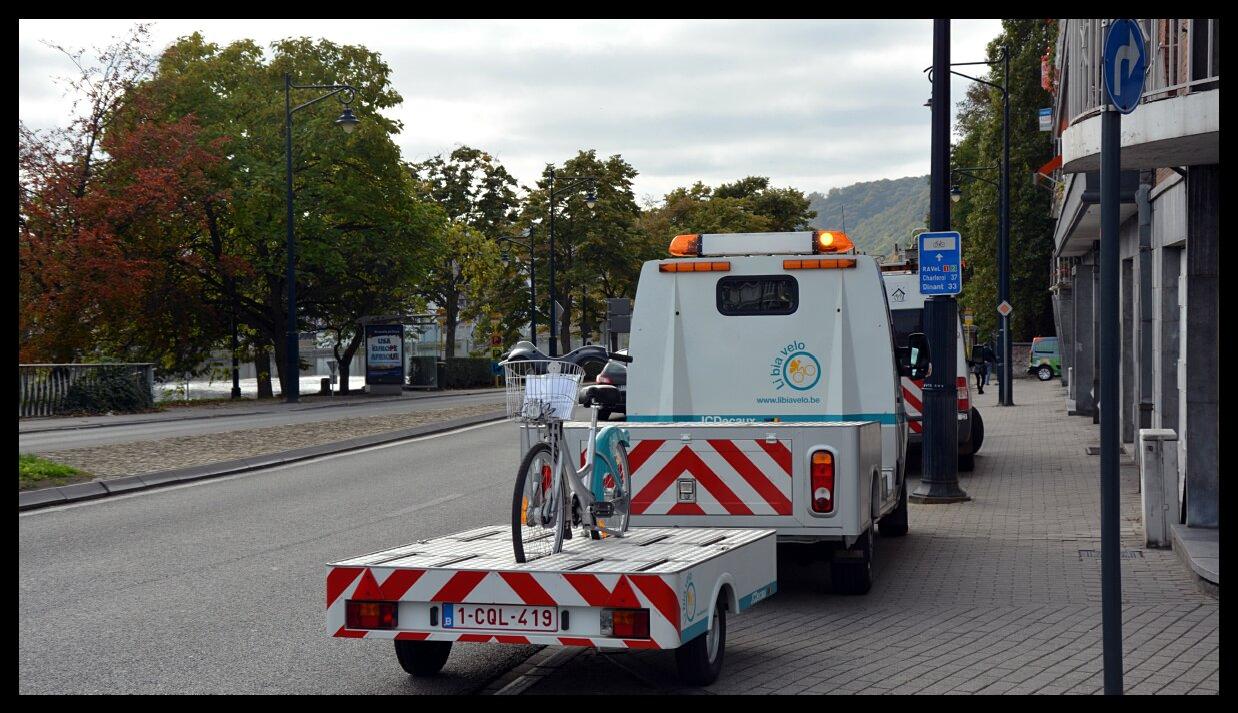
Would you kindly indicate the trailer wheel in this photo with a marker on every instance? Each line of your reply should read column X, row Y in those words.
column 895, row 524
column 854, row 575
column 700, row 660
column 422, row 658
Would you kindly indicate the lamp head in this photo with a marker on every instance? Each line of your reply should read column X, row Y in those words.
column 347, row 120
column 955, row 194
column 591, row 198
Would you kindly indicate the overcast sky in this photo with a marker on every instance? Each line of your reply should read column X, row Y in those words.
column 814, row 104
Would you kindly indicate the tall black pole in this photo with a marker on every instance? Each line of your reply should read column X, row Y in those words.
column 1005, row 388
column 292, row 362
column 532, row 291
column 1110, row 564
column 554, row 323
column 236, row 364
column 939, row 480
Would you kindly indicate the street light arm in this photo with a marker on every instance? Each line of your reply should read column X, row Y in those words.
column 568, row 188
column 352, row 94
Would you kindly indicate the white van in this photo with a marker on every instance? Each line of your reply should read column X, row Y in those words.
column 902, row 284
column 765, row 393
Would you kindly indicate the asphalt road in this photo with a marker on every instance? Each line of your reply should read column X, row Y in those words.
column 219, row 586
column 37, row 436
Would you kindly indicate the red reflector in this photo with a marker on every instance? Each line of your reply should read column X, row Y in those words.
column 822, row 480
column 369, row 615
column 629, row 623
column 964, row 405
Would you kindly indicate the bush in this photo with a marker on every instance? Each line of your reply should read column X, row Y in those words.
column 467, row 373
column 115, row 390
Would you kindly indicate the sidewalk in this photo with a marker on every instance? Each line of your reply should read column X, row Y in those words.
column 243, row 407
column 997, row 595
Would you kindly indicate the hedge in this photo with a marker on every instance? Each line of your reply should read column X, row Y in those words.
column 113, row 390
column 467, row 373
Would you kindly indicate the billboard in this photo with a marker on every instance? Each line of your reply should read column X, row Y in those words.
column 384, row 354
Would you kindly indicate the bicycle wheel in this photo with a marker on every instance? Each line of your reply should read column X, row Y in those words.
column 622, row 495
column 536, row 511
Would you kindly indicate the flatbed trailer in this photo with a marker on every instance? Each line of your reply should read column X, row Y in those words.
column 655, row 588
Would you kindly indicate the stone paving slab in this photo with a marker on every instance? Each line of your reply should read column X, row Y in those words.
column 141, row 457
column 995, row 595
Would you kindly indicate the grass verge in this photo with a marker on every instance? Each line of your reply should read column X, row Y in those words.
column 35, row 472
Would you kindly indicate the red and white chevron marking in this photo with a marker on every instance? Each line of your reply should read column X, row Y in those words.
column 566, row 589
column 733, row 477
column 913, row 403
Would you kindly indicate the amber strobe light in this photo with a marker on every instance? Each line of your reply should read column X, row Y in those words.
column 369, row 615
column 832, row 241
column 823, row 482
column 694, row 266
column 687, row 245
column 817, row 264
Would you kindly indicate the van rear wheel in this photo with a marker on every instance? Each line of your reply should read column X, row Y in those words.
column 895, row 524
column 854, row 575
column 1044, row 373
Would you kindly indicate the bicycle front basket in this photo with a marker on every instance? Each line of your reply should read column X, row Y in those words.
column 539, row 391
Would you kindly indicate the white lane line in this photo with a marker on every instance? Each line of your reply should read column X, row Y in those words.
column 426, row 504
column 224, row 478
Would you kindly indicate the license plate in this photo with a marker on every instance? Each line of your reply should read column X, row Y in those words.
column 500, row 616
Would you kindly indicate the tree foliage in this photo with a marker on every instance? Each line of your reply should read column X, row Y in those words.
column 977, row 213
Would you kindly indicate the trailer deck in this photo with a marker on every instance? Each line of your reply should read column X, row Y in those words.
column 467, row 587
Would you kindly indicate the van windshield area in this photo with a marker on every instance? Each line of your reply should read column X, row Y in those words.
column 906, row 323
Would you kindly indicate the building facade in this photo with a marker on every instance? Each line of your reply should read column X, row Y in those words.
column 1169, row 238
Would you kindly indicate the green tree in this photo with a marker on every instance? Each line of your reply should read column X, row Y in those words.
column 598, row 251
column 358, row 225
column 977, row 213
column 748, row 205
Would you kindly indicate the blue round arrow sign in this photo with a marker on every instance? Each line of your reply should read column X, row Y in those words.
column 1126, row 61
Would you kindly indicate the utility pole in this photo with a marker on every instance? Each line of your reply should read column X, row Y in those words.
column 939, row 480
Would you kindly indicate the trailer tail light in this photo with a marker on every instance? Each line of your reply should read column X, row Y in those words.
column 964, row 405
column 822, row 480
column 370, row 615
column 694, row 266
column 625, row 623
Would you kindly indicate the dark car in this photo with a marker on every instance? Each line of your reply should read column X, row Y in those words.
column 615, row 373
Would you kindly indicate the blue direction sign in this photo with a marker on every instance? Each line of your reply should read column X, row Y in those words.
column 941, row 262
column 1126, row 62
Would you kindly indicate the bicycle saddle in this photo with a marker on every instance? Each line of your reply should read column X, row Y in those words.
column 603, row 394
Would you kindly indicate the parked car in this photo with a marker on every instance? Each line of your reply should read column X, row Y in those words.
column 1044, row 360
column 615, row 373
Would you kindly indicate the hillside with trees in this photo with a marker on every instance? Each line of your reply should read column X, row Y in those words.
column 875, row 213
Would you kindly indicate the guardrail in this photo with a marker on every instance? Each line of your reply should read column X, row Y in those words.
column 42, row 388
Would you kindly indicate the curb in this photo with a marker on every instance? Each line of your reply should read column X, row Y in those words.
column 61, row 495
column 344, row 404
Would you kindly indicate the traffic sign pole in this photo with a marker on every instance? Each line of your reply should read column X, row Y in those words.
column 1125, row 60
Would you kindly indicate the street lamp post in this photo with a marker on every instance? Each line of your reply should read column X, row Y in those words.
column 1005, row 391
column 590, row 200
column 347, row 122
column 528, row 234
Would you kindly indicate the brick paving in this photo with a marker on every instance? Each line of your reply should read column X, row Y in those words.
column 988, row 596
column 120, row 459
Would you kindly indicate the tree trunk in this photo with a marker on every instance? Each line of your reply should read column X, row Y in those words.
column 281, row 365
column 565, row 323
column 451, row 320
column 262, row 365
column 345, row 361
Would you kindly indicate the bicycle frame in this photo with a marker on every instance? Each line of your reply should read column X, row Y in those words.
column 561, row 468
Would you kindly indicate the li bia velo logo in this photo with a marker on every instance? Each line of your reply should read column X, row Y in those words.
column 795, row 367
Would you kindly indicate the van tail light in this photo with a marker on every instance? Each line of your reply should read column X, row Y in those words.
column 625, row 623
column 604, row 379
column 822, row 480
column 370, row 615
column 964, row 404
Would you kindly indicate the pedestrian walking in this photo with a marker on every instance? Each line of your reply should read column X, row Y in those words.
column 988, row 361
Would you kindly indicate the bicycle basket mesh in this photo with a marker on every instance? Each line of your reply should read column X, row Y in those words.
column 539, row 391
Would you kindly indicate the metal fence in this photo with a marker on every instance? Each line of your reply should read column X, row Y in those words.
column 42, row 388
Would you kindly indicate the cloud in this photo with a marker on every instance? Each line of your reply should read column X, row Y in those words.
column 814, row 104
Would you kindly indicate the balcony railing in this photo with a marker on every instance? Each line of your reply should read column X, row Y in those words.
column 1184, row 55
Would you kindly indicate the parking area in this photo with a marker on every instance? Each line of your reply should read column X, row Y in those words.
column 997, row 595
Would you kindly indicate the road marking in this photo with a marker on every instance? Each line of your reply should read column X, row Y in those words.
column 427, row 504
column 223, row 478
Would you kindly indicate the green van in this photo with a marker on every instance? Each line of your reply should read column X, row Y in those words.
column 1044, row 360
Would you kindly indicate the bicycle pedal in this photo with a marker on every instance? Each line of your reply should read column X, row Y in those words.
column 602, row 509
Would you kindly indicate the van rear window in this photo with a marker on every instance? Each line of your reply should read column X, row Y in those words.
column 758, row 294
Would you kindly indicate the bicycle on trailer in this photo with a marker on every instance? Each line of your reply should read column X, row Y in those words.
column 552, row 496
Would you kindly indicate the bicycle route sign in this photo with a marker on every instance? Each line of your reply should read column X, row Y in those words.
column 941, row 263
